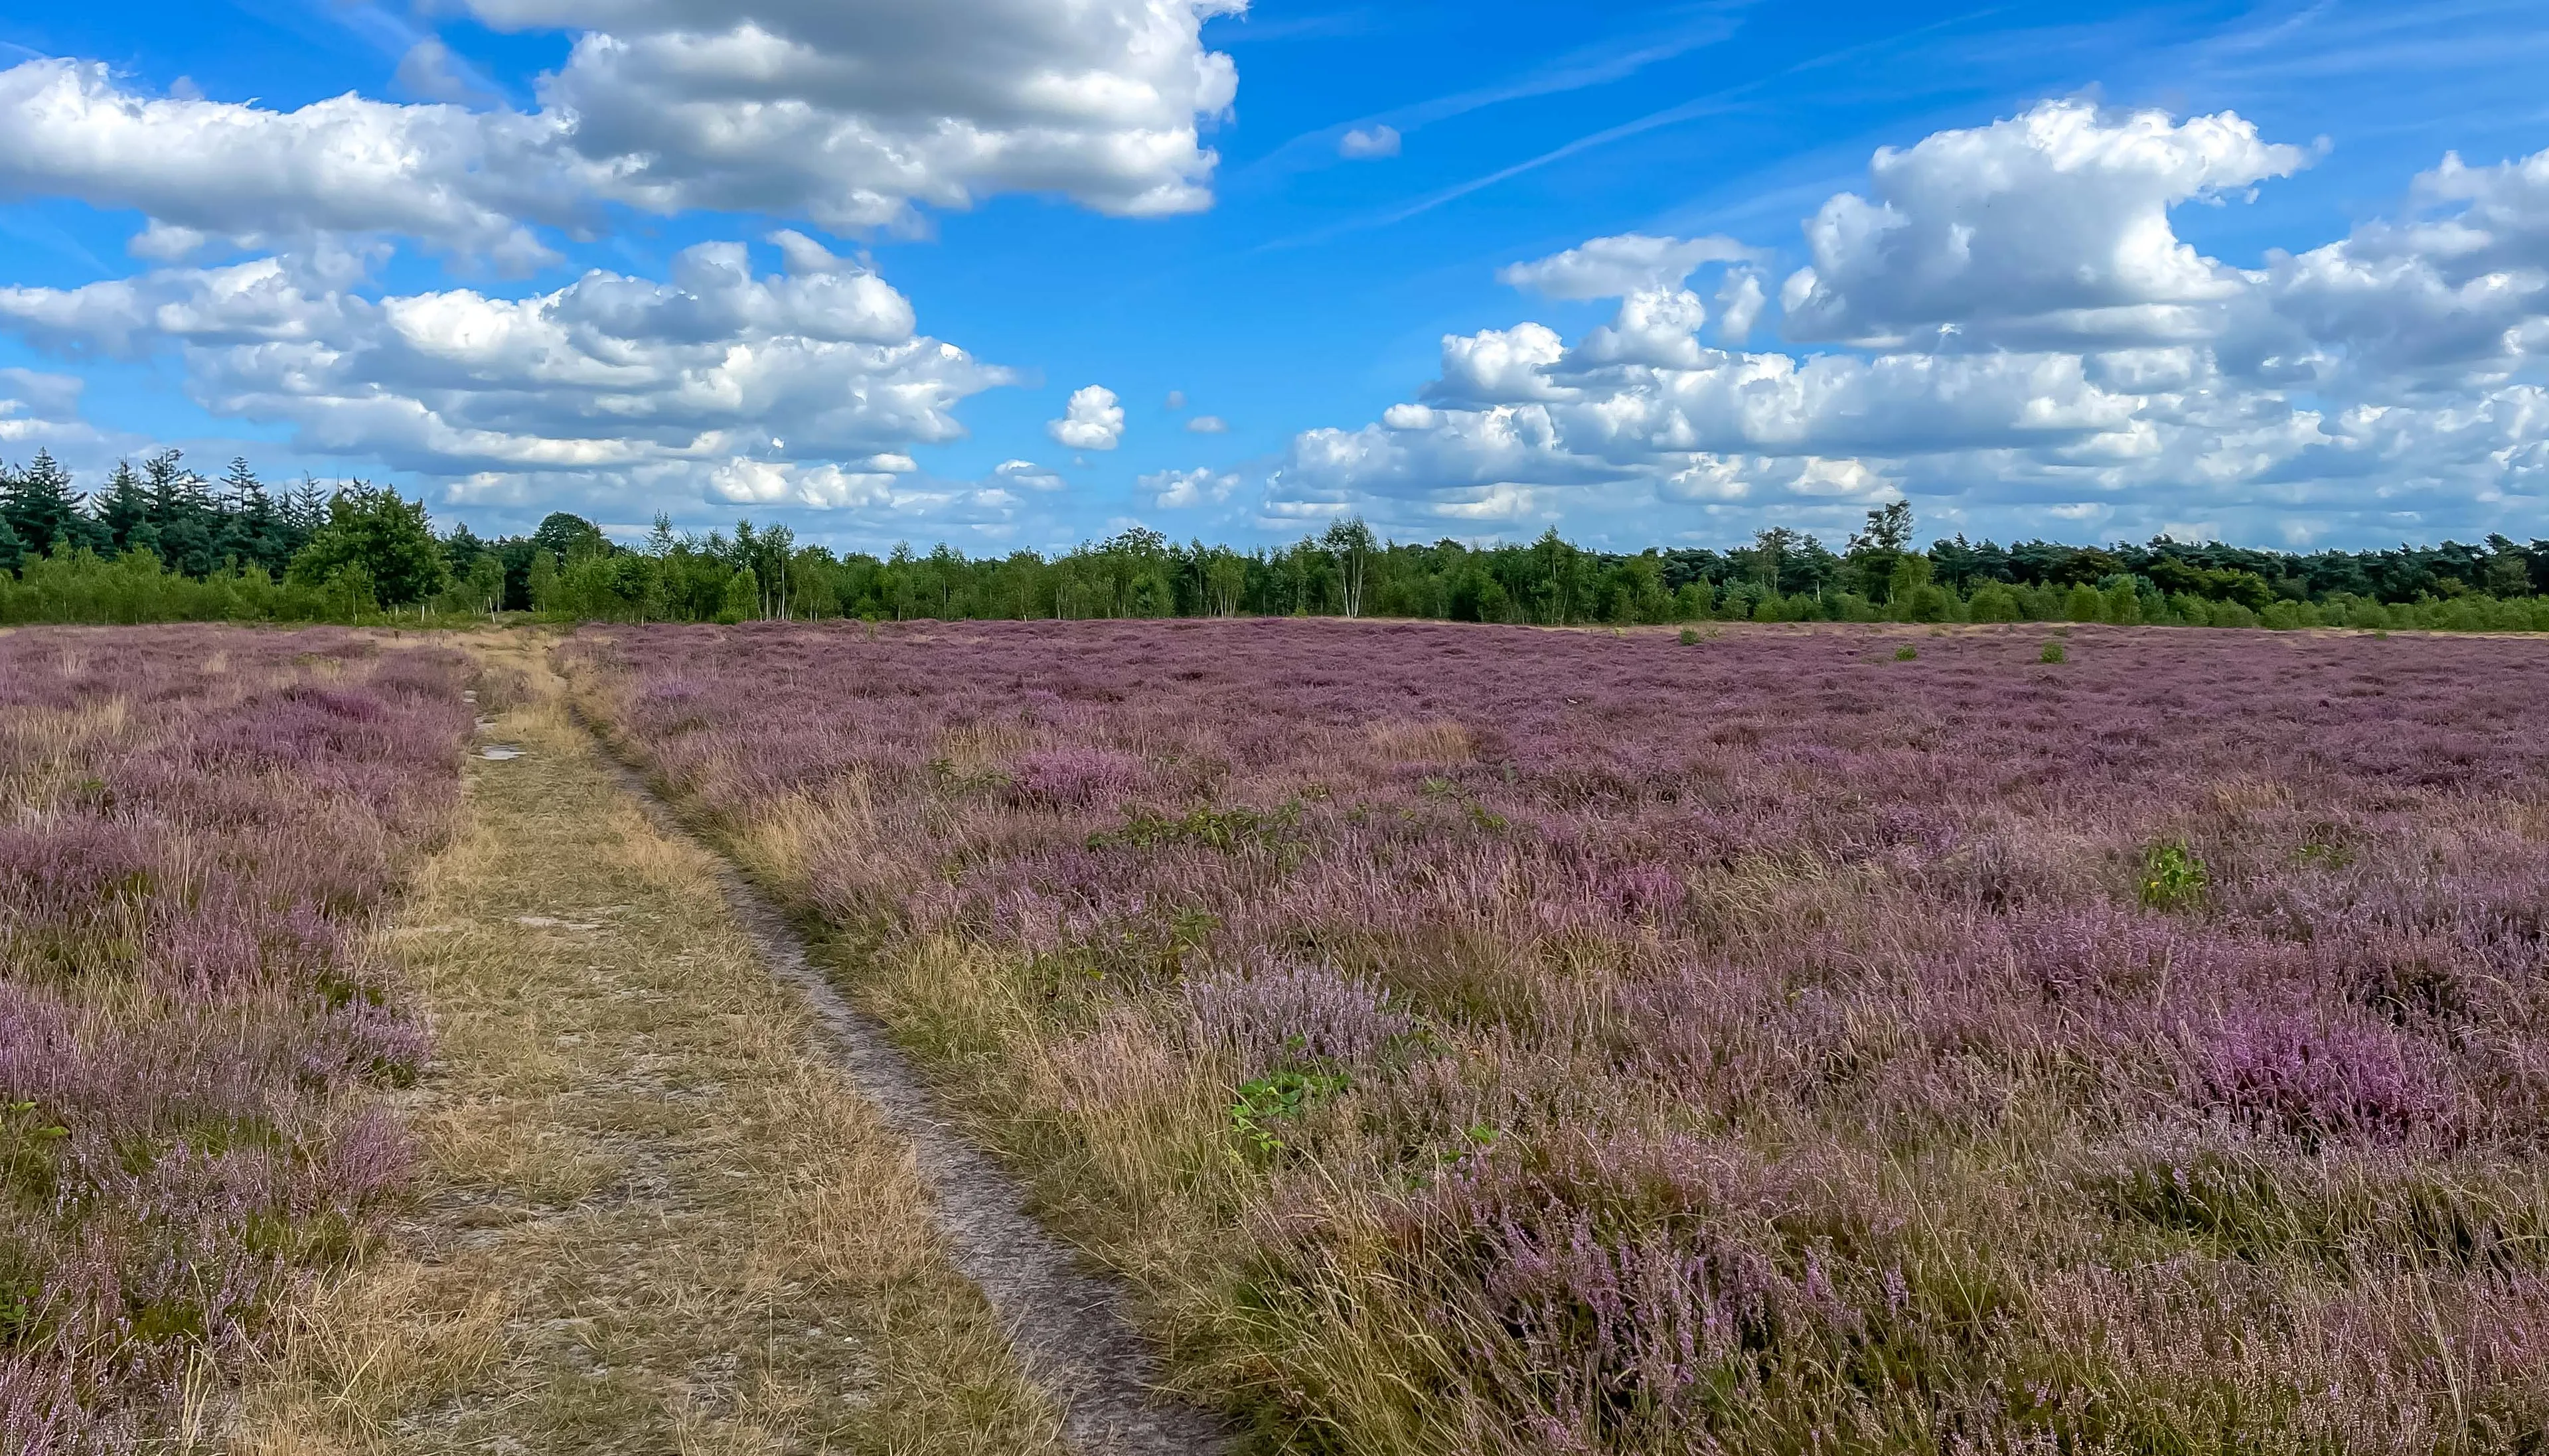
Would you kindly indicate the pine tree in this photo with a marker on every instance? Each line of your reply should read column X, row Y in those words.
column 181, row 507
column 39, row 504
column 11, row 554
column 124, row 512
column 249, row 525
column 304, row 510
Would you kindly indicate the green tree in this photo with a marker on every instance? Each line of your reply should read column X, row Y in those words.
column 182, row 514
column 567, row 536
column 485, row 583
column 1350, row 543
column 39, row 504
column 387, row 538
column 743, row 598
column 1554, row 572
column 124, row 512
column 1880, row 547
column 253, row 526
column 304, row 512
column 540, row 582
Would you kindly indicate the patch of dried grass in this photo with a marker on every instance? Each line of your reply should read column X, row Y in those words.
column 1435, row 741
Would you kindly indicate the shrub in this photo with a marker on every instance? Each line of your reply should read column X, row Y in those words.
column 2172, row 875
column 2052, row 653
column 1994, row 603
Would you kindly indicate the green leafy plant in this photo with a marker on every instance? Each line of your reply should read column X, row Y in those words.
column 1218, row 829
column 17, row 1311
column 2324, row 846
column 26, row 1141
column 1480, row 814
column 1691, row 636
column 2052, row 653
column 1906, row 653
column 1278, row 1097
column 2172, row 875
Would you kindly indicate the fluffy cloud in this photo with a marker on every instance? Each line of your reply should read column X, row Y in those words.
column 1610, row 267
column 845, row 112
column 803, row 386
column 1177, row 490
column 2047, row 227
column 1026, row 475
column 1364, row 144
column 41, row 411
column 199, row 169
column 1092, row 421
column 1208, row 424
column 2023, row 334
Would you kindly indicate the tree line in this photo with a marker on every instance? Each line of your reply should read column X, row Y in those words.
column 162, row 542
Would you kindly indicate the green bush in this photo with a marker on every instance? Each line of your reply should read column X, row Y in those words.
column 2172, row 875
column 1993, row 603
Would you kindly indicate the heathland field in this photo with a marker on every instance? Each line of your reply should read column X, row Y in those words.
column 1498, row 1039
column 198, row 828
column 1455, row 1039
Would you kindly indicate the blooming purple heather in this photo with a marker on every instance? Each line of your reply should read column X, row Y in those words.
column 198, row 826
column 1757, row 1045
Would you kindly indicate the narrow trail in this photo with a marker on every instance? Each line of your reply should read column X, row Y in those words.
column 1070, row 1329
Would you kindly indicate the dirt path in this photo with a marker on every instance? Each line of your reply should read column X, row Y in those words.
column 1070, row 1329
column 652, row 1215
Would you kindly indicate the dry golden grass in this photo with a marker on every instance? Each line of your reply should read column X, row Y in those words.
column 1436, row 742
column 651, row 1217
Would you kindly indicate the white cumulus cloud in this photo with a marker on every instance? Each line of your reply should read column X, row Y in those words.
column 1092, row 421
column 2015, row 333
column 1175, row 489
column 1610, row 267
column 41, row 411
column 849, row 113
column 806, row 387
column 198, row 169
column 1208, row 424
column 2047, row 227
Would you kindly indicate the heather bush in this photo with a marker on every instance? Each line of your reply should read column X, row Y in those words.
column 198, row 828
column 1496, row 1039
column 1276, row 1015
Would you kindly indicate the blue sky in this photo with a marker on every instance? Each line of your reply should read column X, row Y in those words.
column 2200, row 268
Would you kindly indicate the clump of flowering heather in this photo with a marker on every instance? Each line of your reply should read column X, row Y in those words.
column 1775, row 1048
column 1287, row 1013
column 196, row 827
